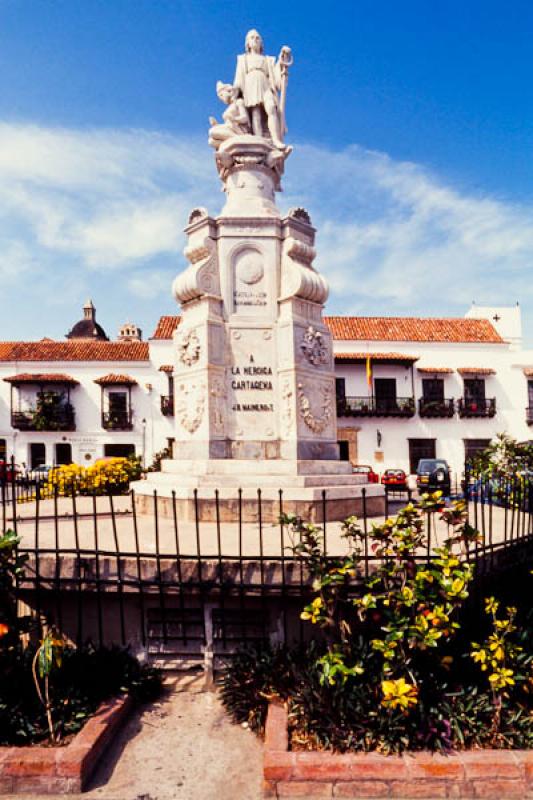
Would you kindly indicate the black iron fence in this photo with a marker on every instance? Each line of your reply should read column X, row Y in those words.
column 100, row 569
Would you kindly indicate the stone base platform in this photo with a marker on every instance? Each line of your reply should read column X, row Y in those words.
column 249, row 491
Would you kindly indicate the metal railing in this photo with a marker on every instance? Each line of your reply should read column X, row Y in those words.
column 436, row 408
column 148, row 578
column 375, row 407
column 60, row 418
column 117, row 420
column 468, row 407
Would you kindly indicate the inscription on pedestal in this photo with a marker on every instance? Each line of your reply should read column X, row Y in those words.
column 249, row 285
column 252, row 389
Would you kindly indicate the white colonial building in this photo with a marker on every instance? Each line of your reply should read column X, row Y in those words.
column 406, row 388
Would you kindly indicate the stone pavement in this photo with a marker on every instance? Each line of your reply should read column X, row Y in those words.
column 182, row 748
column 207, row 538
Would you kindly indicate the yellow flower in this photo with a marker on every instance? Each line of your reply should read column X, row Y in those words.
column 457, row 586
column 312, row 612
column 491, row 605
column 399, row 694
column 501, row 678
column 407, row 594
column 480, row 656
column 496, row 647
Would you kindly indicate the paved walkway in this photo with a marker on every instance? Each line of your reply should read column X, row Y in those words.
column 122, row 534
column 183, row 748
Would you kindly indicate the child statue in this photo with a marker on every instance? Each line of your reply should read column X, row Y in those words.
column 236, row 119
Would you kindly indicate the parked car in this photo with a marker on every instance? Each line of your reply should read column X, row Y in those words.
column 8, row 471
column 394, row 479
column 39, row 474
column 433, row 474
column 365, row 469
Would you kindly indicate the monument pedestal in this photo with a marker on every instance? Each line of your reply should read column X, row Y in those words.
column 247, row 491
column 254, row 382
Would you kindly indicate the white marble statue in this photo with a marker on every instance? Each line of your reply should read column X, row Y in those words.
column 236, row 119
column 258, row 79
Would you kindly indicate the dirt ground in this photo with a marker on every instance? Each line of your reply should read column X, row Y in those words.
column 182, row 748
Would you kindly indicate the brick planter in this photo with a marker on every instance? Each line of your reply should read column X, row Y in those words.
column 476, row 773
column 62, row 770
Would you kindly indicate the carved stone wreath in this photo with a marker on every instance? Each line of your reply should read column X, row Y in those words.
column 314, row 422
column 313, row 347
column 190, row 403
column 189, row 348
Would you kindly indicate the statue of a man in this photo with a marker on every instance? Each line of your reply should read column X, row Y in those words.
column 258, row 79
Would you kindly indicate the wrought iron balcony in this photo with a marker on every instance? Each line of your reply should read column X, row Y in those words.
column 435, row 408
column 167, row 405
column 117, row 420
column 55, row 418
column 375, row 407
column 476, row 408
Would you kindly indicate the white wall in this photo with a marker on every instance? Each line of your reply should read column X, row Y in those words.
column 508, row 386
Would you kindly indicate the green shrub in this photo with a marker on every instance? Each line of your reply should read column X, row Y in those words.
column 390, row 667
column 86, row 678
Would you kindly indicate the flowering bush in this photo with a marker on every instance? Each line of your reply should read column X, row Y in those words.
column 389, row 665
column 406, row 604
column 105, row 476
column 504, row 660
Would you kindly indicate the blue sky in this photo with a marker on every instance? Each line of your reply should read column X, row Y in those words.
column 412, row 126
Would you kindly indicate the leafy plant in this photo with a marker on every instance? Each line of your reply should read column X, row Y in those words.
column 499, row 657
column 47, row 658
column 389, row 666
column 405, row 606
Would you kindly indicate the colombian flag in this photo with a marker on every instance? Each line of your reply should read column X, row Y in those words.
column 368, row 372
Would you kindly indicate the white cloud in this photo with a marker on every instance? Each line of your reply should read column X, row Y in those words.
column 150, row 284
column 392, row 237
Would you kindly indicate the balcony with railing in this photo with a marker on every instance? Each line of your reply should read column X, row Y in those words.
column 117, row 420
column 45, row 417
column 469, row 407
column 428, row 407
column 375, row 407
column 167, row 405
column 41, row 401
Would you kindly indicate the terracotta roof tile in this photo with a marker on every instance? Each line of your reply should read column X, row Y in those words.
column 166, row 327
column 400, row 357
column 436, row 370
column 41, row 377
column 73, row 350
column 476, row 371
column 113, row 379
column 412, row 329
column 388, row 329
column 166, row 368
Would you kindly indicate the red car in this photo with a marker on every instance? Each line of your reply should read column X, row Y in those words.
column 6, row 471
column 364, row 469
column 395, row 479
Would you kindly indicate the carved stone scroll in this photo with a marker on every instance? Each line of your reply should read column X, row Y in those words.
column 202, row 276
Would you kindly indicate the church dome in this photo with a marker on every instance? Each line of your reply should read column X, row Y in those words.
column 88, row 328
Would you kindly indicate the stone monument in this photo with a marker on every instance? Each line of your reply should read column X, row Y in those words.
column 253, row 362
